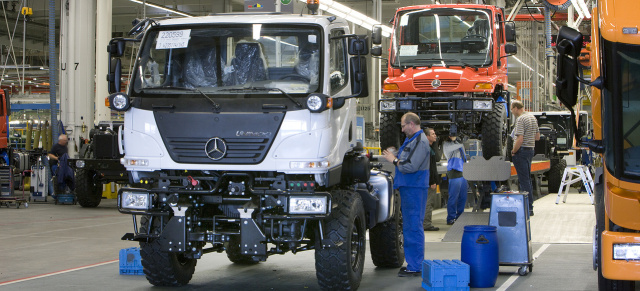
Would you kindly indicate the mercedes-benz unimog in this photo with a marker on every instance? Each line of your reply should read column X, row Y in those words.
column 240, row 137
column 447, row 63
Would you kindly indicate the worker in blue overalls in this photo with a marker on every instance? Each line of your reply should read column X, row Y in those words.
column 412, row 180
column 456, row 157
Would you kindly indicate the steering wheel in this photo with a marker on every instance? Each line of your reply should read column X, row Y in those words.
column 295, row 77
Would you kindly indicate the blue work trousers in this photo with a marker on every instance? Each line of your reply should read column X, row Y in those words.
column 457, row 198
column 522, row 162
column 413, row 201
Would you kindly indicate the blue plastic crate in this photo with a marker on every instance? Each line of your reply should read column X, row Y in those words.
column 130, row 262
column 445, row 275
column 65, row 199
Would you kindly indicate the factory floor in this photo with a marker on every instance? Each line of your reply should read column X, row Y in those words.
column 67, row 247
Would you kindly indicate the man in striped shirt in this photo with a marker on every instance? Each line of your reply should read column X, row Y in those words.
column 525, row 133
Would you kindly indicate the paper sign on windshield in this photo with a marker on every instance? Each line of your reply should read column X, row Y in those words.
column 170, row 39
column 408, row 50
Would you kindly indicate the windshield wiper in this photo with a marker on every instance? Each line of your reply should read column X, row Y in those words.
column 449, row 60
column 265, row 89
column 215, row 104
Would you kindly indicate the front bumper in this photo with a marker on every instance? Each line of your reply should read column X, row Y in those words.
column 628, row 270
column 436, row 105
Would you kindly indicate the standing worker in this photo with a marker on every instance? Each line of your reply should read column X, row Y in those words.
column 434, row 181
column 525, row 133
column 456, row 157
column 412, row 179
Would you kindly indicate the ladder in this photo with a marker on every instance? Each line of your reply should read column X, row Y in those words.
column 574, row 174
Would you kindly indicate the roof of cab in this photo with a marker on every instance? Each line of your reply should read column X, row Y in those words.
column 252, row 18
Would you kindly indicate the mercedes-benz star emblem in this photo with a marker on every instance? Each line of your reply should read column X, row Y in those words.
column 436, row 83
column 215, row 148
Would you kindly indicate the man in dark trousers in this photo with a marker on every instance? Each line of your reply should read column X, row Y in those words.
column 525, row 133
column 57, row 150
column 434, row 181
column 412, row 179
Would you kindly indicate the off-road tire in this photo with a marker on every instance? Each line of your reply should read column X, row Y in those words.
column 605, row 284
column 386, row 240
column 390, row 132
column 234, row 255
column 554, row 175
column 494, row 132
column 340, row 260
column 88, row 189
column 163, row 268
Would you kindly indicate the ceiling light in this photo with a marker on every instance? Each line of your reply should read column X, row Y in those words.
column 351, row 15
column 162, row 7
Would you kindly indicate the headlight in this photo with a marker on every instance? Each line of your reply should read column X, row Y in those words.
column 309, row 165
column 482, row 104
column 307, row 205
column 561, row 140
column 387, row 105
column 133, row 200
column 79, row 164
column 317, row 102
column 626, row 251
column 119, row 101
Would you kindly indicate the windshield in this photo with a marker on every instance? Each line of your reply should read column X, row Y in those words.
column 622, row 90
column 219, row 59
column 445, row 36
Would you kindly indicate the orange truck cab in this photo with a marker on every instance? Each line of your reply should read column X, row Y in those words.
column 447, row 63
column 615, row 99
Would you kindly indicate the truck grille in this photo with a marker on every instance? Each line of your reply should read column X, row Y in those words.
column 446, row 84
column 247, row 136
column 239, row 150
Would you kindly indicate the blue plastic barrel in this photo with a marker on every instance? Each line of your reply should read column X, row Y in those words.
column 480, row 251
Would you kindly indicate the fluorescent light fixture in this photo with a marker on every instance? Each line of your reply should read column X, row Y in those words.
column 581, row 6
column 256, row 31
column 162, row 7
column 351, row 15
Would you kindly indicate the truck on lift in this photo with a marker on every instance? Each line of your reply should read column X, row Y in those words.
column 447, row 63
column 615, row 99
column 240, row 137
column 556, row 142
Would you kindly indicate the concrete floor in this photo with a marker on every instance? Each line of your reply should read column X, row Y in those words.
column 67, row 247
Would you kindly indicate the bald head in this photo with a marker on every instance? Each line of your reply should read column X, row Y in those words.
column 63, row 139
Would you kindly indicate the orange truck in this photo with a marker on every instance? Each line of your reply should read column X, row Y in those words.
column 447, row 63
column 615, row 99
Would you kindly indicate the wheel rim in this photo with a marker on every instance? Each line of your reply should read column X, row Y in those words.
column 357, row 242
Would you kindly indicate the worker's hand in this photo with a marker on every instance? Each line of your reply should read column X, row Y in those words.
column 388, row 155
column 433, row 186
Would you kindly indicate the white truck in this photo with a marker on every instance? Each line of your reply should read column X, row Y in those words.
column 240, row 137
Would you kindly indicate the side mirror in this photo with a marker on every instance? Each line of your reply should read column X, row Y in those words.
column 359, row 84
column 116, row 48
column 376, row 35
column 569, row 44
column 376, row 51
column 510, row 31
column 511, row 48
column 115, row 72
column 358, row 45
